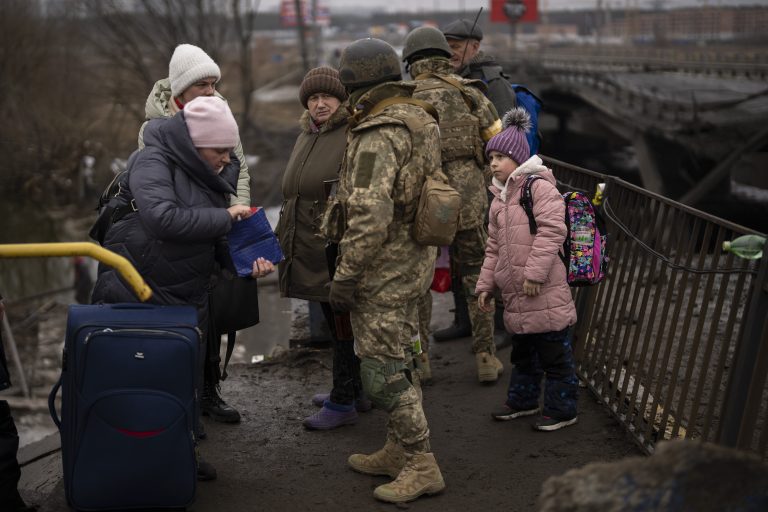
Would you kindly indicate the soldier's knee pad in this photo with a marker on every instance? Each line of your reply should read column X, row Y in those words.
column 384, row 383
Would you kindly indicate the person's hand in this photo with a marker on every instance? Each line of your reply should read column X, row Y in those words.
column 342, row 295
column 262, row 267
column 531, row 288
column 484, row 302
column 239, row 211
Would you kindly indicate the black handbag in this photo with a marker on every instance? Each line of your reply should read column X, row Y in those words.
column 234, row 305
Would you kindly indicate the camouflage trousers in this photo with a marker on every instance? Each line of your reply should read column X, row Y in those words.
column 383, row 335
column 467, row 254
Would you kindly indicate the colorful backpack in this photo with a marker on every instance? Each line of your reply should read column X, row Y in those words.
column 584, row 250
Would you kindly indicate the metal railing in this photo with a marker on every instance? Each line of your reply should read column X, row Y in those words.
column 675, row 340
column 749, row 64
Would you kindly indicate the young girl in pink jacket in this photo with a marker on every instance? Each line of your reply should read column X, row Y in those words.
column 527, row 269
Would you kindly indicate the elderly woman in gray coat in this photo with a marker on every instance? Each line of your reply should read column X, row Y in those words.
column 304, row 274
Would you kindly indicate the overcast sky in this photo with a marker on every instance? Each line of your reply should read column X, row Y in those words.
column 474, row 5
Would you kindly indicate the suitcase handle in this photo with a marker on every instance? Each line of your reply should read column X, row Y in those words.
column 52, row 403
column 132, row 305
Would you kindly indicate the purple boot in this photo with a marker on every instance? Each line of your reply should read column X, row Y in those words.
column 362, row 404
column 331, row 416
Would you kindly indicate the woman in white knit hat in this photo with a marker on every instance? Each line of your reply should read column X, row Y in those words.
column 193, row 73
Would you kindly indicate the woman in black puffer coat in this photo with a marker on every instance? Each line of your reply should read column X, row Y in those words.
column 180, row 183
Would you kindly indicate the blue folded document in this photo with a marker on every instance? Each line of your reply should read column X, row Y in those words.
column 250, row 239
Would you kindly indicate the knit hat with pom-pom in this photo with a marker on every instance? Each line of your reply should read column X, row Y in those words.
column 512, row 141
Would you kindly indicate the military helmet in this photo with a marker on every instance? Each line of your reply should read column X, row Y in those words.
column 425, row 38
column 368, row 62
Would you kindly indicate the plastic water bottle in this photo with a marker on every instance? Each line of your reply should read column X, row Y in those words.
column 749, row 247
column 599, row 191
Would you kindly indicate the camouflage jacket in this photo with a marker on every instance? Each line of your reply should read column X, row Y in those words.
column 467, row 120
column 161, row 104
column 389, row 154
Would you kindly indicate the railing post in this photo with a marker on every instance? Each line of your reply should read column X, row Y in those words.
column 741, row 398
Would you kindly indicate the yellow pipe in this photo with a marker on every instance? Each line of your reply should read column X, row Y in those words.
column 122, row 265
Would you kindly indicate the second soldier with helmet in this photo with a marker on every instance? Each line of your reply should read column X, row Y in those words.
column 467, row 120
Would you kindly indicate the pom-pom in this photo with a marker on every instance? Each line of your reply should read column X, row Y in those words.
column 519, row 118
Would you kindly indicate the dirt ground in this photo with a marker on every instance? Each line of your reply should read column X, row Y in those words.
column 269, row 462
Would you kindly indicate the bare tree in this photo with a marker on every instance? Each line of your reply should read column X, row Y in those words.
column 44, row 97
column 244, row 14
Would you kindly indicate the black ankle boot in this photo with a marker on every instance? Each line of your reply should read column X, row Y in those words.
column 212, row 405
column 205, row 470
column 460, row 328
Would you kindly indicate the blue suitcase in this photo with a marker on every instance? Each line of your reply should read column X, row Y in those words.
column 129, row 385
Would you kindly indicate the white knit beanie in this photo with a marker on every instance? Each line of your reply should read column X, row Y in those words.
column 211, row 123
column 188, row 65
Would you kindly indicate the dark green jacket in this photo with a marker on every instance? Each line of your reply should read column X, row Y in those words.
column 316, row 157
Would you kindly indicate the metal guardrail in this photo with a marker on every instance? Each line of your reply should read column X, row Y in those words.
column 122, row 265
column 675, row 340
column 751, row 65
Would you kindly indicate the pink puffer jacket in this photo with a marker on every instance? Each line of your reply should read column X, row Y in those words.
column 513, row 254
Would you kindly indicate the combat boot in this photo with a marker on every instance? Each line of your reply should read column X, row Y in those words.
column 461, row 326
column 388, row 461
column 420, row 475
column 488, row 367
column 214, row 406
column 422, row 364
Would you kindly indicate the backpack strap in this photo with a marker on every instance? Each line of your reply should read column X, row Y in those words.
column 452, row 82
column 231, row 336
column 400, row 100
column 526, row 201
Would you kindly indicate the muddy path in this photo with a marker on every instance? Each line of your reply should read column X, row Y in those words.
column 269, row 462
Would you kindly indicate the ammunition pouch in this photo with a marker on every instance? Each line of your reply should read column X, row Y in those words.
column 461, row 139
column 437, row 216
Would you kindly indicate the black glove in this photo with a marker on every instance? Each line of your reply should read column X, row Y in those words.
column 342, row 295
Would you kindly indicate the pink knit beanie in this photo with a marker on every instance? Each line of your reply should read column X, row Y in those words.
column 211, row 123
column 512, row 142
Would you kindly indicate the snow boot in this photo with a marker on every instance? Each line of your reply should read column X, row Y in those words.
column 488, row 367
column 388, row 461
column 362, row 404
column 331, row 416
column 420, row 475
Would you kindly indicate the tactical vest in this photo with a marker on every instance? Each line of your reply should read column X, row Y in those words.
column 460, row 135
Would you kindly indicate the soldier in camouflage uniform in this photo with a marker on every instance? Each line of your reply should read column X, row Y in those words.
column 393, row 144
column 469, row 61
column 467, row 120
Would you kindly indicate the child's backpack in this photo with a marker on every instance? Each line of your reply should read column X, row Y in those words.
column 532, row 104
column 584, row 249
